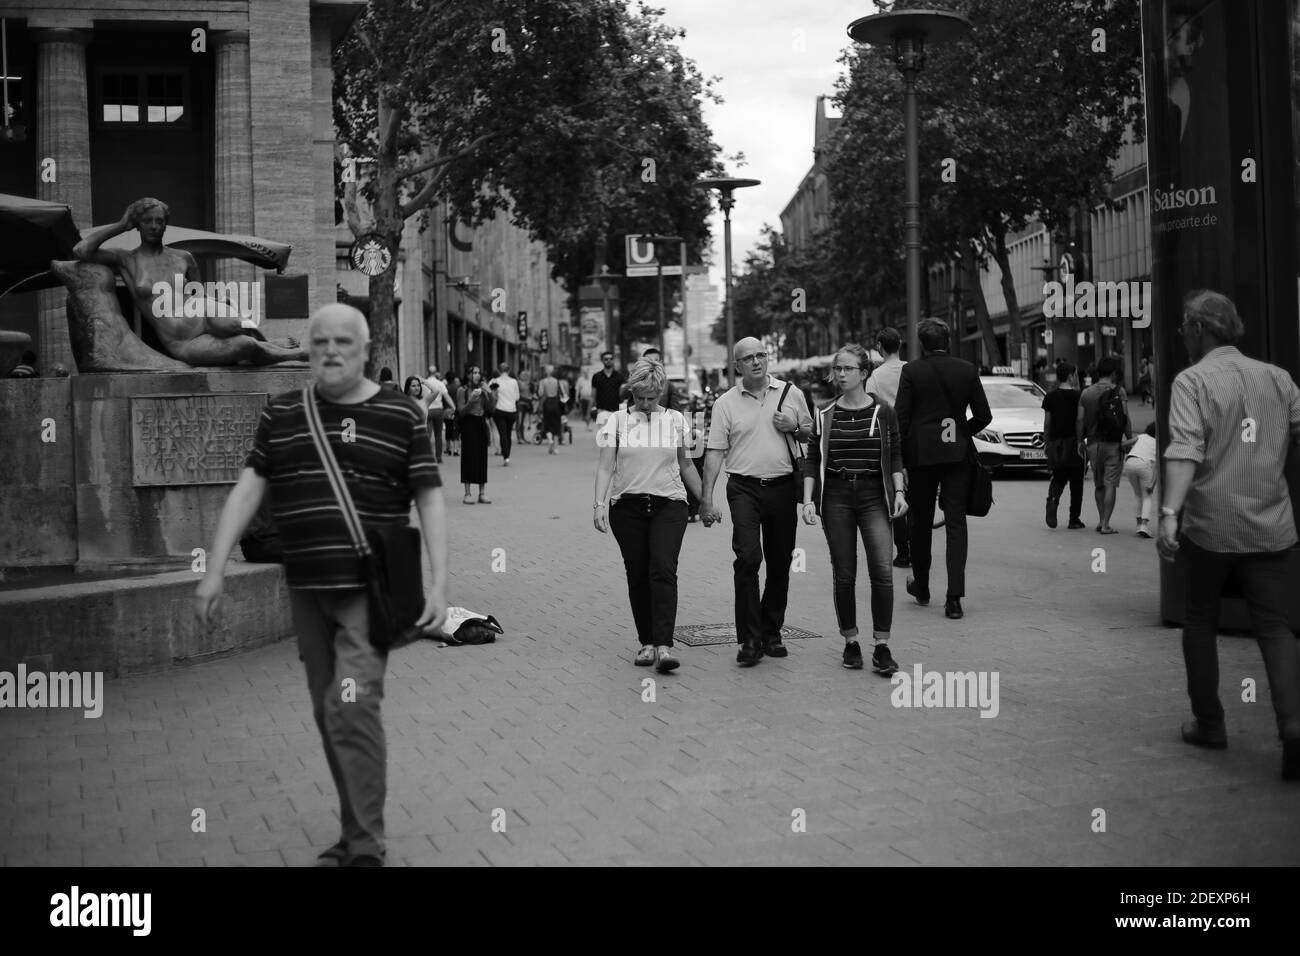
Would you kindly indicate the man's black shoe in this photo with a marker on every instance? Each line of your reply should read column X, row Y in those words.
column 882, row 662
column 952, row 608
column 853, row 656
column 1196, row 733
column 365, row 860
column 902, row 561
column 1051, row 512
column 1075, row 524
column 922, row 597
column 751, row 652
column 776, row 649
column 1291, row 760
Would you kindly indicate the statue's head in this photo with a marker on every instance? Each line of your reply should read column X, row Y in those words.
column 149, row 215
column 338, row 345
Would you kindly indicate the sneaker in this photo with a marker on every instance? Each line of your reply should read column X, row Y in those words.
column 1075, row 524
column 853, row 656
column 882, row 662
column 646, row 656
column 1144, row 530
column 664, row 660
column 505, row 462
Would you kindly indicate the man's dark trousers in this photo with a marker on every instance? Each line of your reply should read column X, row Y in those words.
column 763, row 525
column 949, row 481
column 1266, row 585
column 903, row 535
column 505, row 429
column 1072, row 476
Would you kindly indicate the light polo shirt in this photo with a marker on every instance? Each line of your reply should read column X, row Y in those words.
column 883, row 382
column 1239, row 502
column 742, row 427
column 507, row 393
column 645, row 461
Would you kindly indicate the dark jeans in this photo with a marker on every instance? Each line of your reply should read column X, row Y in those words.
column 763, row 525
column 903, row 535
column 849, row 509
column 692, row 502
column 435, row 432
column 1073, row 477
column 649, row 531
column 1264, row 582
column 505, row 430
column 951, row 482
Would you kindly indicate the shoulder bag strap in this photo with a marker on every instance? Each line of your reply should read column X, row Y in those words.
column 333, row 474
column 786, row 435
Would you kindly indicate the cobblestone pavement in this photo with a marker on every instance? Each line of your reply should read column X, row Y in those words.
column 796, row 761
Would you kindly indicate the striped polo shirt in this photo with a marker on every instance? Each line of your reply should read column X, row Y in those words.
column 385, row 458
column 854, row 443
column 1235, row 418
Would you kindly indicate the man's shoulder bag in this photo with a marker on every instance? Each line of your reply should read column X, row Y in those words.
column 979, row 488
column 797, row 459
column 390, row 555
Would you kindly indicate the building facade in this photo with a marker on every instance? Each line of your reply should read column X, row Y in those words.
column 220, row 108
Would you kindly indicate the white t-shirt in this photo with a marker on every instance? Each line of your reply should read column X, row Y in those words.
column 1144, row 448
column 645, row 460
column 435, row 391
column 507, row 393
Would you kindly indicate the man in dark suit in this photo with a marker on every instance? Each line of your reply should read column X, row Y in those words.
column 933, row 393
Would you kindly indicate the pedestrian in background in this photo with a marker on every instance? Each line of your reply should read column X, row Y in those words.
column 856, row 459
column 1061, row 444
column 933, row 394
column 1140, row 470
column 475, row 405
column 645, row 473
column 883, row 383
column 1232, row 421
column 440, row 402
column 1103, row 423
column 548, row 393
column 386, row 463
column 524, row 406
column 606, row 387
column 453, row 420
column 584, row 401
column 755, row 427
column 507, row 408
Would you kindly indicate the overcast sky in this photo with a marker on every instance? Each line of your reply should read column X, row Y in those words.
column 774, row 58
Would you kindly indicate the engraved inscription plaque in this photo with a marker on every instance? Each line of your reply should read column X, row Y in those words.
column 192, row 439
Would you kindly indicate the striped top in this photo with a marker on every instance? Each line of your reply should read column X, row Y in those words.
column 1239, row 502
column 385, row 458
column 854, row 442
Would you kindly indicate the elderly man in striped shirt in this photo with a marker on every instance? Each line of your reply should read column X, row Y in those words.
column 1231, row 420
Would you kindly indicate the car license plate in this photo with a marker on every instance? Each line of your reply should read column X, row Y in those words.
column 1038, row 454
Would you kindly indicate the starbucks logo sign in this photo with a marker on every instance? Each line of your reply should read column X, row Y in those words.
column 370, row 254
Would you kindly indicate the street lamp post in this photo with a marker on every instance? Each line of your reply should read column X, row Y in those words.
column 908, row 31
column 725, row 187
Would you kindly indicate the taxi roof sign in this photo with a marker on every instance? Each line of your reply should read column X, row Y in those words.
column 1003, row 370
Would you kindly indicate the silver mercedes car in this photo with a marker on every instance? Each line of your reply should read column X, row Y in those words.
column 1014, row 439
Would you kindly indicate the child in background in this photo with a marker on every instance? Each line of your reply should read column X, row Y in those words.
column 1140, row 470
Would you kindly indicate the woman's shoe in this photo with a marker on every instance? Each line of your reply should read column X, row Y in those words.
column 646, row 656
column 664, row 660
column 484, row 500
column 469, row 499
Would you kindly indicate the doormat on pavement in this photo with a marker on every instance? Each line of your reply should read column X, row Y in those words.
column 697, row 635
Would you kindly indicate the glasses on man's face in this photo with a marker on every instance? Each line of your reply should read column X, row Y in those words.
column 756, row 358
column 845, row 369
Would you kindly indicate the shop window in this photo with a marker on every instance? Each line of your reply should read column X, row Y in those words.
column 143, row 98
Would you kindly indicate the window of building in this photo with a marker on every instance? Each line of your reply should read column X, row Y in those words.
column 144, row 98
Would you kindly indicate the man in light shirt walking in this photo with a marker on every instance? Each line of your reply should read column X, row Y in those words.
column 1232, row 421
column 507, row 390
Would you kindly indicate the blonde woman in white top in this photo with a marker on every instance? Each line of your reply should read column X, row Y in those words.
column 644, row 472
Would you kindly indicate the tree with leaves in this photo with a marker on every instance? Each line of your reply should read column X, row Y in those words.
column 546, row 110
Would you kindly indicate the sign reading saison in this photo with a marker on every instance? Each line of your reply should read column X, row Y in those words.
column 192, row 439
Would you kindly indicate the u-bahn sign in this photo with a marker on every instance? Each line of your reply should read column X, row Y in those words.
column 641, row 259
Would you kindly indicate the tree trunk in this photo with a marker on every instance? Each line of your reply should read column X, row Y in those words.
column 1015, row 335
column 971, row 280
column 388, row 223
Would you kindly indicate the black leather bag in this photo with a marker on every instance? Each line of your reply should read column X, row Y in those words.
column 390, row 555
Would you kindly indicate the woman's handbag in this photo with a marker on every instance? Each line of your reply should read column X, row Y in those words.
column 796, row 460
column 390, row 555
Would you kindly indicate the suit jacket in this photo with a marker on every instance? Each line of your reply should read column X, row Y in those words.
column 923, row 407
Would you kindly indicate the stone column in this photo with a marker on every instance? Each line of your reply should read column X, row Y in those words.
column 63, row 135
column 233, row 146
